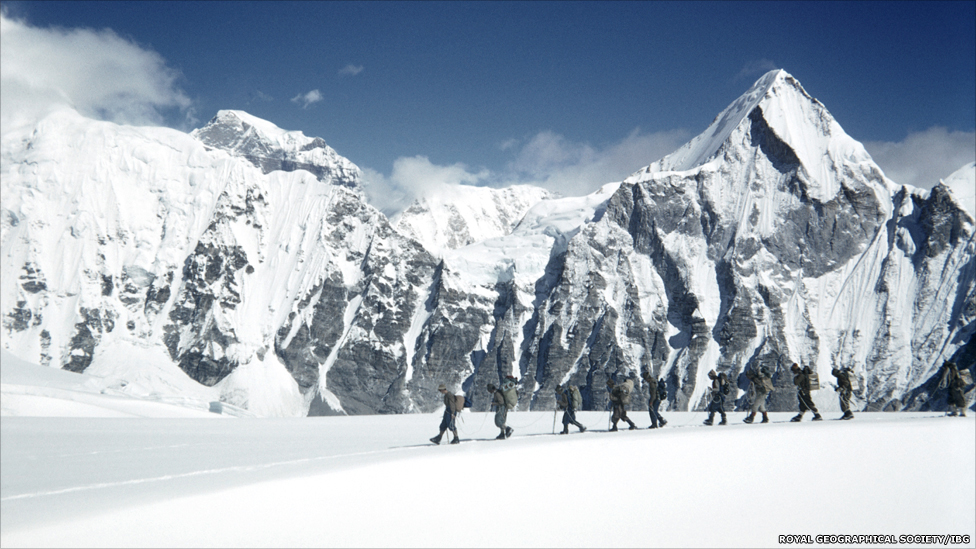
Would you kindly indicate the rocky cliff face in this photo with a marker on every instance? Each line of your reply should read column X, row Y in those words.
column 246, row 257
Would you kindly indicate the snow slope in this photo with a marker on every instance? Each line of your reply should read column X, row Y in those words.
column 962, row 182
column 370, row 481
column 176, row 476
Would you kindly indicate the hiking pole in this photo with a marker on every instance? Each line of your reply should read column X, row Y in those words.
column 553, row 421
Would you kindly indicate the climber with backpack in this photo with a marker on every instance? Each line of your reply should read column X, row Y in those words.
column 719, row 389
column 569, row 400
column 620, row 399
column 804, row 381
column 654, row 389
column 844, row 390
column 956, row 380
column 452, row 407
column 760, row 385
column 501, row 411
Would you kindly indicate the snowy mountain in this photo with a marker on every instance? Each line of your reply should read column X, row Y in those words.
column 271, row 148
column 962, row 184
column 458, row 215
column 245, row 259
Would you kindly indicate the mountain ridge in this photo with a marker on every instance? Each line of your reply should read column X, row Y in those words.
column 247, row 259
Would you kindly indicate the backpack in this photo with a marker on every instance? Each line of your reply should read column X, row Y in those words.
column 965, row 376
column 813, row 379
column 662, row 390
column 576, row 397
column 462, row 402
column 723, row 383
column 851, row 379
column 510, row 392
column 767, row 383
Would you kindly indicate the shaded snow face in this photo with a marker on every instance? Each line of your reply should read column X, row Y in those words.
column 244, row 257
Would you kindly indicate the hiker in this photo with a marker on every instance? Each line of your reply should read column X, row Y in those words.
column 655, row 399
column 760, row 384
column 844, row 390
column 801, row 378
column 501, row 412
column 568, row 400
column 957, row 398
column 718, row 390
column 620, row 398
column 451, row 410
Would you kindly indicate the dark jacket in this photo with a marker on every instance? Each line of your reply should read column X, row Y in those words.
column 802, row 382
column 843, row 381
column 498, row 399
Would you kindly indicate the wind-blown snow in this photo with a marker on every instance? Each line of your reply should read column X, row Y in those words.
column 368, row 481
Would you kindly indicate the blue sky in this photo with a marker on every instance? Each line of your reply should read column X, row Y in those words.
column 502, row 92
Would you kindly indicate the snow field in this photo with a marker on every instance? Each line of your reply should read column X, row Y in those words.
column 376, row 481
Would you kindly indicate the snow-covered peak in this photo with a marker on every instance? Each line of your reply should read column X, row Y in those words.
column 705, row 146
column 962, row 183
column 775, row 111
column 271, row 148
column 459, row 215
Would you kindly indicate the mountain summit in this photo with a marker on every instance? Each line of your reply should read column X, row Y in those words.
column 241, row 263
column 271, row 148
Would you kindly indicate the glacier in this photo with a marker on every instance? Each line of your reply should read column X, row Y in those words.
column 242, row 263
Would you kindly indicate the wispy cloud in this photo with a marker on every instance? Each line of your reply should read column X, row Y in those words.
column 350, row 70
column 546, row 159
column 306, row 99
column 570, row 168
column 414, row 177
column 261, row 96
column 756, row 68
column 925, row 157
column 96, row 72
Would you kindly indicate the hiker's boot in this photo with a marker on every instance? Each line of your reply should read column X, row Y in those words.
column 797, row 417
column 962, row 413
column 817, row 416
column 765, row 418
column 581, row 428
column 501, row 436
column 708, row 421
column 952, row 413
column 847, row 415
column 663, row 422
column 653, row 426
column 565, row 430
column 632, row 426
column 723, row 422
column 508, row 431
column 614, row 428
column 437, row 439
column 749, row 418
column 455, row 440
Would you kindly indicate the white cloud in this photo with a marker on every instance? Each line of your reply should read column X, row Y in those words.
column 350, row 70
column 414, row 177
column 925, row 157
column 96, row 72
column 547, row 160
column 573, row 169
column 307, row 99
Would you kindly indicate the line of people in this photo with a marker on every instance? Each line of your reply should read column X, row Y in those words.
column 569, row 399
